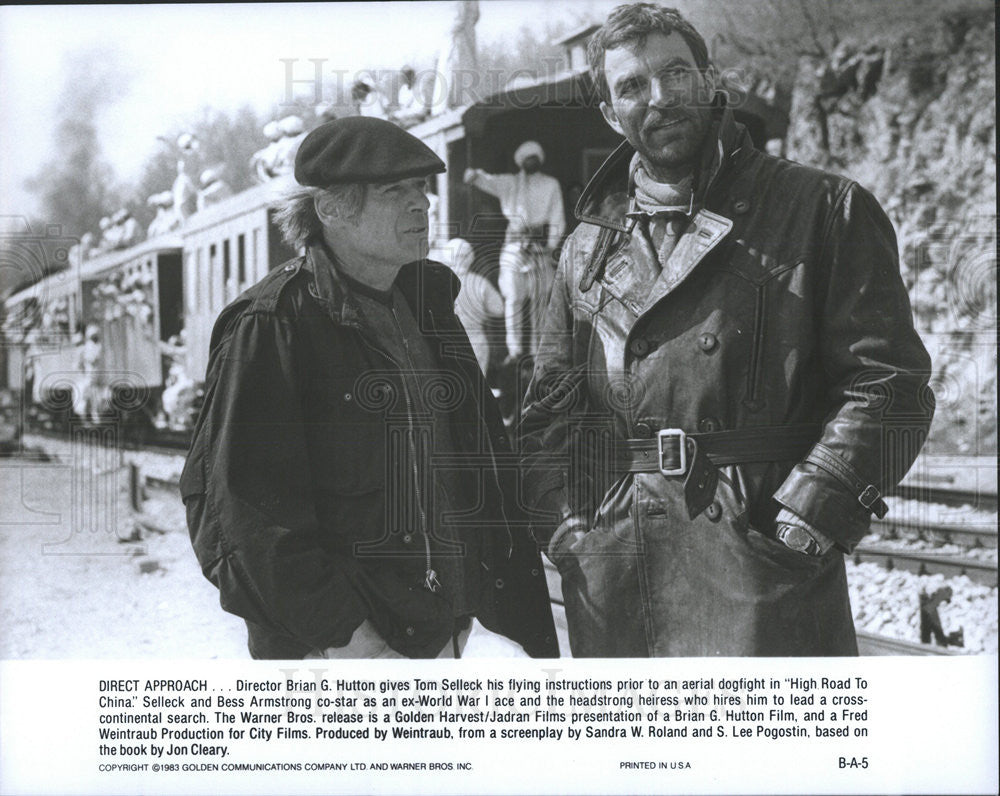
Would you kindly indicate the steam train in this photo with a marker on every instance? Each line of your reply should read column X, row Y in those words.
column 111, row 336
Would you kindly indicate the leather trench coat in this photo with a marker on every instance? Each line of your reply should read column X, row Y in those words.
column 786, row 311
column 288, row 480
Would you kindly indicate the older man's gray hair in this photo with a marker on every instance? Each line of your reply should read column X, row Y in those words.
column 297, row 218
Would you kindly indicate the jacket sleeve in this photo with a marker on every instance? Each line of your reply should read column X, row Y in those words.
column 499, row 185
column 554, row 401
column 556, row 215
column 266, row 557
column 879, row 405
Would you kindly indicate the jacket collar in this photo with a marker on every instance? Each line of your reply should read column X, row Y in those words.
column 427, row 286
column 610, row 193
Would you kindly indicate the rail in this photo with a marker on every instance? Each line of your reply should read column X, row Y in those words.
column 928, row 563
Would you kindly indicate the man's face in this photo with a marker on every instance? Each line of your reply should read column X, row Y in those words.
column 531, row 164
column 660, row 102
column 391, row 229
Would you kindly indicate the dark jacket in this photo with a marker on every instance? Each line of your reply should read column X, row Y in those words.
column 787, row 307
column 286, row 484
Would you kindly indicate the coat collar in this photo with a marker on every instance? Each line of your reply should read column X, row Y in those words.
column 427, row 286
column 610, row 194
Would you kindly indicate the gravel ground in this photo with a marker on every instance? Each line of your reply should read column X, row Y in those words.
column 90, row 593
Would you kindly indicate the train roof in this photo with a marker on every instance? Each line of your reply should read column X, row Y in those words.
column 569, row 88
column 96, row 267
column 60, row 283
column 260, row 196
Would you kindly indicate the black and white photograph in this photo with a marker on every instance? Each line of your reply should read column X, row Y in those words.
column 621, row 376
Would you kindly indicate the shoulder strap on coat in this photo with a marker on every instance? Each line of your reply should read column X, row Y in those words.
column 598, row 258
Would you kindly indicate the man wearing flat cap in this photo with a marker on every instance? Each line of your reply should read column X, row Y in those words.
column 350, row 485
column 533, row 205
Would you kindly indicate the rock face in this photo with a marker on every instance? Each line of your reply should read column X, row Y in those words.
column 914, row 121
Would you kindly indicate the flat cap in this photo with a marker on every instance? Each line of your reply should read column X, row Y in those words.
column 362, row 149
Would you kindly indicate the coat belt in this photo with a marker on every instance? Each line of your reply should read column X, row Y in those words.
column 663, row 452
column 697, row 457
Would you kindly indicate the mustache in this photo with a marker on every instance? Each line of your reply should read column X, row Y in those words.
column 658, row 119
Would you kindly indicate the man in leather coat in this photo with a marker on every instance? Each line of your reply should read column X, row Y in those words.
column 728, row 382
column 350, row 487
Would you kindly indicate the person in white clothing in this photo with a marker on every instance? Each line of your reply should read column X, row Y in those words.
column 533, row 205
column 411, row 108
column 479, row 305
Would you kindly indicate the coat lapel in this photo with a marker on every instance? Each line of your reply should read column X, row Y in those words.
column 706, row 231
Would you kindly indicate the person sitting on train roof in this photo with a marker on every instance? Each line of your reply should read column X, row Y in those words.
column 292, row 135
column 165, row 220
column 533, row 205
column 411, row 108
column 106, row 241
column 368, row 100
column 263, row 161
column 325, row 112
column 316, row 496
column 213, row 188
column 126, row 229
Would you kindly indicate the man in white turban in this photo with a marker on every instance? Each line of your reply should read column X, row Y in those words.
column 533, row 205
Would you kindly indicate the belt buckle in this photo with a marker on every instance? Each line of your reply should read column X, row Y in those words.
column 662, row 434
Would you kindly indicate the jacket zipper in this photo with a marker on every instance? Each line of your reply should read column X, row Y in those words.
column 431, row 582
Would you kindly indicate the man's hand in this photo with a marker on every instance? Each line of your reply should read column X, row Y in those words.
column 469, row 176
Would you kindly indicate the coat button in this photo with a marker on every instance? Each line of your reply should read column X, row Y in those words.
column 639, row 346
column 643, row 430
column 741, row 206
column 714, row 511
column 534, row 573
column 709, row 424
column 499, row 583
column 407, row 538
column 410, row 631
column 348, row 396
column 707, row 342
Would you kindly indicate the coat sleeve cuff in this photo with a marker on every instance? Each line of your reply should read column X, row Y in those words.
column 825, row 504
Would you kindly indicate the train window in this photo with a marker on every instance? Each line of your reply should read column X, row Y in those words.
column 254, row 255
column 241, row 260
column 196, row 282
column 213, row 258
column 226, row 270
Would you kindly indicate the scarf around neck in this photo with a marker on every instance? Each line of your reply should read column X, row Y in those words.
column 652, row 197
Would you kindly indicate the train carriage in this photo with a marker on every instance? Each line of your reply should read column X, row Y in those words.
column 39, row 327
column 228, row 247
column 152, row 307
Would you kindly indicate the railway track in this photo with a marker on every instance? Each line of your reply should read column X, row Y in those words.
column 873, row 644
column 986, row 500
column 927, row 563
column 978, row 534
